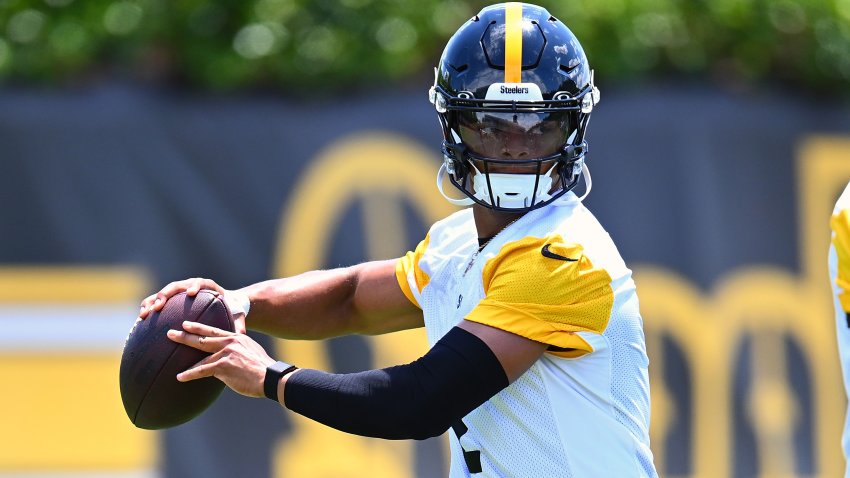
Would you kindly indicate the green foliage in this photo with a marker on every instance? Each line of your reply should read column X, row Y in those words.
column 316, row 45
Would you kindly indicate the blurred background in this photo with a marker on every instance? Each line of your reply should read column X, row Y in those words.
column 145, row 141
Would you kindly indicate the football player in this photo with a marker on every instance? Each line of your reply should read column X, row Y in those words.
column 839, row 273
column 537, row 363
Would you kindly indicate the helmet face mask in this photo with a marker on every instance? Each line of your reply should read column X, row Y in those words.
column 513, row 93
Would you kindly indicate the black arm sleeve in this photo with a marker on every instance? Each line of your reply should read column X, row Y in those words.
column 418, row 400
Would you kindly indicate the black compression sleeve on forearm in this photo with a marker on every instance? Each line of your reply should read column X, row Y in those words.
column 418, row 400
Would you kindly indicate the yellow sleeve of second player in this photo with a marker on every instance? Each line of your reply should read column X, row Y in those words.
column 840, row 224
column 546, row 290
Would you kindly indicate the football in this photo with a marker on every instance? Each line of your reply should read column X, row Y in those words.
column 152, row 396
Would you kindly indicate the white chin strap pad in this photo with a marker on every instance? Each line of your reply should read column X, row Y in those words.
column 513, row 191
column 510, row 190
column 441, row 175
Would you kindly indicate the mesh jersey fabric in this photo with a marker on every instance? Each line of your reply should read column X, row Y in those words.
column 582, row 410
column 839, row 271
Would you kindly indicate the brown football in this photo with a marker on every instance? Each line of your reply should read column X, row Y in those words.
column 152, row 396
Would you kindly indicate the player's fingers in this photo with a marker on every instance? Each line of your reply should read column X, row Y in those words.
column 147, row 301
column 169, row 291
column 144, row 308
column 176, row 287
column 156, row 302
column 204, row 329
column 198, row 284
column 200, row 342
column 193, row 289
column 198, row 371
column 209, row 359
column 159, row 301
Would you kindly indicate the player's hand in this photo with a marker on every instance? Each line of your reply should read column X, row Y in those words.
column 155, row 302
column 237, row 360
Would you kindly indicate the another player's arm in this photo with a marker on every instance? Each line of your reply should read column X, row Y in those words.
column 364, row 299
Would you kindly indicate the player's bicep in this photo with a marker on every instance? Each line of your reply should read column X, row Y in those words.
column 380, row 304
column 516, row 354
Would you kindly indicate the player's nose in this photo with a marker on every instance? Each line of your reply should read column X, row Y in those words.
column 514, row 148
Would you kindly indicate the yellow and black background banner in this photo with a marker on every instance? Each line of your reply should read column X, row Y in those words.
column 110, row 194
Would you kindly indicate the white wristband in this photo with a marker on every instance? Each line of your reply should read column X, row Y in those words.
column 237, row 302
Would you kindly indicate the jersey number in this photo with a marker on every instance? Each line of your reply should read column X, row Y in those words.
column 471, row 457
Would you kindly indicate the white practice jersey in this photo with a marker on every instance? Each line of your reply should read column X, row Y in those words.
column 839, row 272
column 554, row 276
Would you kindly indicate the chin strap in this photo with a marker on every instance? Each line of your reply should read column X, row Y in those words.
column 441, row 175
column 588, row 183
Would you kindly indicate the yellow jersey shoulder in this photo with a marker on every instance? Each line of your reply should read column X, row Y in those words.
column 545, row 289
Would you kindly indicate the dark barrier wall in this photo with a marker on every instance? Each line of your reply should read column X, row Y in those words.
column 719, row 202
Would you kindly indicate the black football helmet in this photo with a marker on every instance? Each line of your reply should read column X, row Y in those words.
column 513, row 93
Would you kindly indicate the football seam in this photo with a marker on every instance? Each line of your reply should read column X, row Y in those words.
column 159, row 372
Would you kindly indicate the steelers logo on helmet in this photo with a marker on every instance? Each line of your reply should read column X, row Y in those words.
column 513, row 93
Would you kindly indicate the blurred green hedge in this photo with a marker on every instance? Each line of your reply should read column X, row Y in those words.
column 317, row 45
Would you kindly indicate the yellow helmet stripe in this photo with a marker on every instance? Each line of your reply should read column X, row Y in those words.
column 513, row 42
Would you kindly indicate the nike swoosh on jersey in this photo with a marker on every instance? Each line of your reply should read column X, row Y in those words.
column 547, row 253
